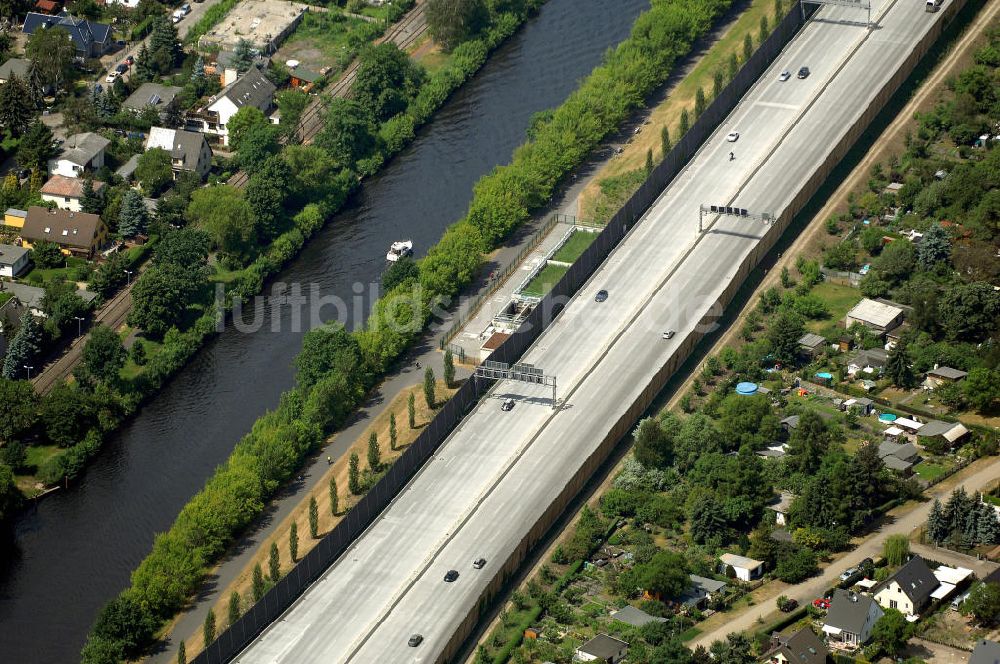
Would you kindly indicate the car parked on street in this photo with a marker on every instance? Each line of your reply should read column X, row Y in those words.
column 112, row 75
column 821, row 603
column 848, row 573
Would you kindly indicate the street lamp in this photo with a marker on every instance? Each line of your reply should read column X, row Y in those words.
column 29, row 370
column 79, row 325
column 129, row 273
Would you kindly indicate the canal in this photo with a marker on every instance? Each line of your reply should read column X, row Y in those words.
column 76, row 549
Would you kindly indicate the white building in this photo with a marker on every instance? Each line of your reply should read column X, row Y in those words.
column 252, row 89
column 66, row 192
column 850, row 619
column 13, row 260
column 909, row 589
column 746, row 569
column 188, row 150
column 81, row 152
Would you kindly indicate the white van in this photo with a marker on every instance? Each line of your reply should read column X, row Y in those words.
column 932, row 5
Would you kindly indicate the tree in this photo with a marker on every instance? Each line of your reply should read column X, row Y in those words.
column 665, row 575
column 665, row 143
column 224, row 214
column 91, row 202
column 123, row 621
column 258, row 586
column 274, row 563
column 143, row 68
column 449, row 368
column 748, row 421
column 347, row 134
column 685, row 122
column 243, row 55
column 334, row 497
column 160, row 296
column 649, row 160
column 393, row 434
column 109, row 276
column 16, row 114
column 10, row 495
column 983, row 604
column 313, row 518
column 765, row 28
column 795, row 565
column 897, row 366
column 699, row 102
column 37, row 146
column 163, row 50
column 938, row 527
column 374, row 453
column 705, row 517
column 266, row 192
column 808, row 444
column 243, row 122
column 181, row 654
column 154, row 171
column 67, row 414
column 453, row 21
column 234, row 607
column 982, row 388
column 293, row 542
column 747, row 47
column 653, row 447
column 23, row 348
column 896, row 550
column 291, row 103
column 890, row 633
column 51, row 53
column 47, row 255
column 186, row 247
column 133, row 216
column 208, row 629
column 969, row 312
column 328, row 349
column 784, row 335
column 411, row 410
column 429, row 386
column 103, row 355
column 386, row 80
column 354, row 474
column 20, row 403
column 403, row 270
column 934, row 247
column 718, row 82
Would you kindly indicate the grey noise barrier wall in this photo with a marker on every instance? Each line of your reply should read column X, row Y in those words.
column 280, row 597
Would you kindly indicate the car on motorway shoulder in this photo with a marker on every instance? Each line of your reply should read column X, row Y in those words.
column 451, row 575
column 669, row 334
column 415, row 640
column 803, row 72
column 602, row 295
column 508, row 404
column 479, row 563
column 733, row 136
column 784, row 76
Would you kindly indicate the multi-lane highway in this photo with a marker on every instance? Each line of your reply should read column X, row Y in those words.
column 490, row 481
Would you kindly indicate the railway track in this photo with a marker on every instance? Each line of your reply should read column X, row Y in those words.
column 403, row 34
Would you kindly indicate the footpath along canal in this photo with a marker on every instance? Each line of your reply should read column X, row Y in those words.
column 76, row 549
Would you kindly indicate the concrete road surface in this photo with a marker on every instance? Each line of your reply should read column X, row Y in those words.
column 499, row 470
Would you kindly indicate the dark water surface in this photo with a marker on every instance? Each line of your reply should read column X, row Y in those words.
column 75, row 551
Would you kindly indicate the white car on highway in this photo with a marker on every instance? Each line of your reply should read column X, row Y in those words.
column 785, row 75
column 733, row 136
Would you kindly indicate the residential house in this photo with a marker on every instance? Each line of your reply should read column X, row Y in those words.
column 939, row 376
column 850, row 619
column 14, row 67
column 13, row 260
column 802, row 647
column 14, row 217
column 602, row 648
column 188, row 150
column 775, row 451
column 893, row 336
column 30, row 297
column 702, row 591
column 909, row 589
column 871, row 361
column 949, row 579
column 781, row 507
column 811, row 344
column 877, row 316
column 91, row 39
column 67, row 193
column 745, row 569
column 76, row 233
column 151, row 94
column 252, row 89
column 790, row 423
column 48, row 6
column 936, row 431
column 80, row 153
column 898, row 457
column 630, row 615
column 986, row 652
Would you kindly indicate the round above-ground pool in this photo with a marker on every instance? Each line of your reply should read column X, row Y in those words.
column 887, row 417
column 746, row 388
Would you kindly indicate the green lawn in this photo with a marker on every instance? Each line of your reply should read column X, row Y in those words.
column 838, row 300
column 74, row 268
column 930, row 471
column 544, row 280
column 689, row 633
column 575, row 245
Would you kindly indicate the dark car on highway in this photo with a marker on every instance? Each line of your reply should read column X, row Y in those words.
column 480, row 563
column 451, row 575
column 602, row 295
column 415, row 640
column 803, row 72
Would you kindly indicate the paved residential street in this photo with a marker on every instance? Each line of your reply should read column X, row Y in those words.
column 902, row 520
